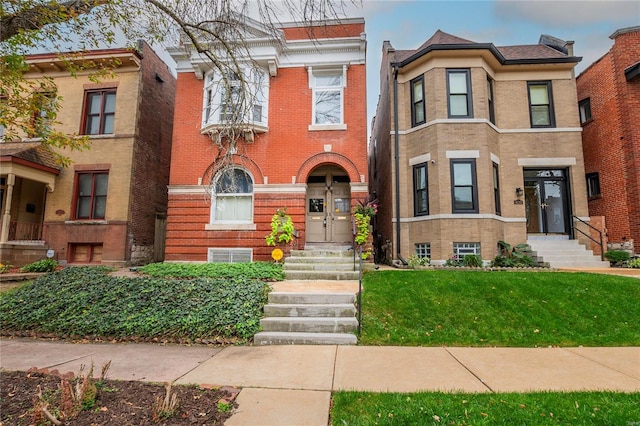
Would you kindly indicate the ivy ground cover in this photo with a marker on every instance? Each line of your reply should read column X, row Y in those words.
column 86, row 301
column 516, row 309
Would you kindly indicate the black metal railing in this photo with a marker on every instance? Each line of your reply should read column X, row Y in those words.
column 574, row 228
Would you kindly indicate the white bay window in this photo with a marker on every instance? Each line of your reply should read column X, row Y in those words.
column 236, row 99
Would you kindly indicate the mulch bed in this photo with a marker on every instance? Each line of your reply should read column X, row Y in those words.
column 117, row 403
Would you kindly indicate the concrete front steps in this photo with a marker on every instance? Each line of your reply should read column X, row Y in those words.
column 318, row 318
column 318, row 263
column 564, row 253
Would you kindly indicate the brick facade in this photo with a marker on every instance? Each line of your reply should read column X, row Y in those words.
column 279, row 160
column 136, row 157
column 611, row 139
column 510, row 142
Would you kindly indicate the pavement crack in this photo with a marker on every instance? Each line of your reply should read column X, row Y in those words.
column 335, row 362
column 469, row 370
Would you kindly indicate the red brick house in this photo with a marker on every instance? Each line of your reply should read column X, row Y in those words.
column 109, row 206
column 305, row 147
column 609, row 104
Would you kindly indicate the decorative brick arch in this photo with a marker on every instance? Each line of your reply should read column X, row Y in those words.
column 245, row 163
column 325, row 158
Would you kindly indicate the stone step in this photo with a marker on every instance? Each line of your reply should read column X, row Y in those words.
column 321, row 253
column 286, row 338
column 579, row 264
column 314, row 310
column 338, row 260
column 310, row 324
column 289, row 298
column 321, row 275
column 573, row 252
column 318, row 266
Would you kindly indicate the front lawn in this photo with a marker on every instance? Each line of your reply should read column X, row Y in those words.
column 519, row 309
column 85, row 301
column 437, row 408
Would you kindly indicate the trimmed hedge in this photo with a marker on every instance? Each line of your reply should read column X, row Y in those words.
column 266, row 271
column 84, row 301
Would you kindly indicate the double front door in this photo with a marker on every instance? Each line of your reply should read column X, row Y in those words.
column 546, row 201
column 328, row 216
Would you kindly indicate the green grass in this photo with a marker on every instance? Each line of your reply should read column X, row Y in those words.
column 519, row 309
column 436, row 408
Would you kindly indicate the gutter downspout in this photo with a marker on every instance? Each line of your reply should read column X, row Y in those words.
column 397, row 160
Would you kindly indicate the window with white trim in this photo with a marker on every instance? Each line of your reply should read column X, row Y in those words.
column 236, row 98
column 423, row 250
column 327, row 86
column 460, row 250
column 232, row 197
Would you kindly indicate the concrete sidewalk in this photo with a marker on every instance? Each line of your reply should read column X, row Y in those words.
column 293, row 384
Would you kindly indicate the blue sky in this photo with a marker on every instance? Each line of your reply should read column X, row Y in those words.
column 408, row 24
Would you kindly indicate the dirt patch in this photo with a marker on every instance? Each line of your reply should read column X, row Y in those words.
column 118, row 402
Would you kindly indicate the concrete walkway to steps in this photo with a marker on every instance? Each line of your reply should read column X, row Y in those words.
column 292, row 385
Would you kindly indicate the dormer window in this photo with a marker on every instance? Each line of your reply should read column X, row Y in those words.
column 236, row 100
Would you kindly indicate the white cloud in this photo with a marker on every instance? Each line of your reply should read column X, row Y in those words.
column 570, row 12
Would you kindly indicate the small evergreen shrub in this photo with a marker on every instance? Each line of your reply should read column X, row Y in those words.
column 617, row 257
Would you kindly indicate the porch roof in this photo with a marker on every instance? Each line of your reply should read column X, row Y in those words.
column 30, row 160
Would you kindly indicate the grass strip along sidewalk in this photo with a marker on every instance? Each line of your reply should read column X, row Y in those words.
column 514, row 309
column 436, row 408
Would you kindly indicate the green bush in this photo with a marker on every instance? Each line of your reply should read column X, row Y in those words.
column 414, row 261
column 472, row 261
column 84, row 301
column 634, row 263
column 265, row 271
column 617, row 257
column 512, row 257
column 44, row 265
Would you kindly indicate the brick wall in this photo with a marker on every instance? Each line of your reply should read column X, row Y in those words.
column 151, row 153
column 284, row 155
column 611, row 141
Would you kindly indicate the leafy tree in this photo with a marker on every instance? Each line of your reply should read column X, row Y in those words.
column 216, row 29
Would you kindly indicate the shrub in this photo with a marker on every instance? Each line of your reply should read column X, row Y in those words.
column 454, row 261
column 512, row 257
column 44, row 265
column 4, row 268
column 472, row 261
column 415, row 261
column 634, row 263
column 617, row 257
column 265, row 271
column 282, row 230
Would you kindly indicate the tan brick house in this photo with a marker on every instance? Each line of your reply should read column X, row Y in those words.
column 609, row 106
column 473, row 144
column 109, row 206
column 306, row 149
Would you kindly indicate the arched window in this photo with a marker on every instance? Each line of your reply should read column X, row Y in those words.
column 233, row 197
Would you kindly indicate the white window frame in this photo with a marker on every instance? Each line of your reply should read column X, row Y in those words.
column 214, row 204
column 423, row 250
column 460, row 250
column 257, row 80
column 315, row 88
